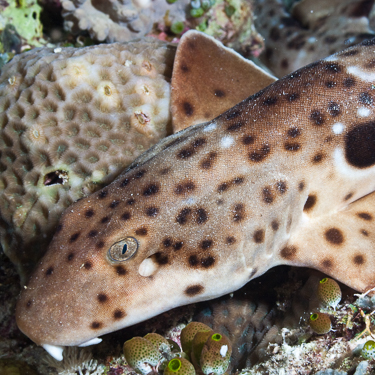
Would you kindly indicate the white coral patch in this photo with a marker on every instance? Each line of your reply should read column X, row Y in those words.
column 226, row 141
column 338, row 128
column 363, row 112
column 364, row 75
column 224, row 350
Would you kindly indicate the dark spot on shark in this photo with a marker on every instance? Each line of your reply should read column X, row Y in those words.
column 74, row 237
column 49, row 271
column 130, row 202
column 193, row 261
column 317, row 158
column 317, row 117
column 269, row 101
column 89, row 213
column 310, row 202
column 359, row 259
column 233, row 114
column 104, row 219
column 288, row 252
column 330, row 39
column 184, row 68
column 150, row 190
column 239, row 212
column 359, row 145
column 292, row 97
column 167, row 242
column 29, row 303
column 201, row 216
column 208, row 262
column 334, row 236
column 188, row 109
column 206, row 244
column 258, row 236
column 118, row 314
column 267, row 195
column 327, row 263
column 100, row 245
column 222, row 187
column 352, row 52
column 364, row 232
column 235, row 126
column 124, row 182
column 348, row 196
column 261, row 154
column 208, row 161
column 281, row 187
column 230, row 240
column 193, row 290
column 248, row 139
column 365, row 216
column 126, row 216
column 330, row 84
column 102, row 194
column 96, row 325
column 120, row 270
column 275, row 225
column 142, row 231
column 70, row 257
column 334, row 109
column 59, row 228
column 114, row 204
column 183, row 216
column 160, row 258
column 366, row 98
column 102, row 298
column 333, row 68
column 87, row 265
column 349, row 82
column 219, row 93
column 152, row 211
column 178, row 245
column 292, row 146
column 293, row 132
column 164, row 171
column 184, row 187
column 92, row 233
column 253, row 272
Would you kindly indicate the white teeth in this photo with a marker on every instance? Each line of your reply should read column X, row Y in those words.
column 54, row 351
column 94, row 341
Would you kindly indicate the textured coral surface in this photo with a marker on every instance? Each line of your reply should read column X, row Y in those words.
column 70, row 121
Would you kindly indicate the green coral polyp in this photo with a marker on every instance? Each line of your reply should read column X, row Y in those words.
column 216, row 337
column 174, row 365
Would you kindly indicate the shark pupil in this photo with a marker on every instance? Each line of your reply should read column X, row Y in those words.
column 125, row 247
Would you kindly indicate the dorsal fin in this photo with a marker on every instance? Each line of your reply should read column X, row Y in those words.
column 340, row 245
column 209, row 78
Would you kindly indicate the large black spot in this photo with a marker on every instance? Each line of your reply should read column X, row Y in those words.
column 366, row 98
column 151, row 189
column 334, row 236
column 188, row 108
column 360, row 146
column 194, row 290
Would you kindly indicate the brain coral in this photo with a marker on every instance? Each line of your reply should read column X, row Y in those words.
column 70, row 121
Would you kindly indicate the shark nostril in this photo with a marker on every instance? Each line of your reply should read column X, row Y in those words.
column 123, row 250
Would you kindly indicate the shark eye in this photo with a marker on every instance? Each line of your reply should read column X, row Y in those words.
column 123, row 250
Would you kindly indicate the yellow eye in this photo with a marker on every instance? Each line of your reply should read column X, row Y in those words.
column 123, row 250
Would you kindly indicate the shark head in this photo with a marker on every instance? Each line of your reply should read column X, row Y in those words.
column 284, row 177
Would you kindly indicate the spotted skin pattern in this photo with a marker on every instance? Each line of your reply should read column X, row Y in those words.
column 284, row 177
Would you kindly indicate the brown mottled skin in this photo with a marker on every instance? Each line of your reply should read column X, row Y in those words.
column 277, row 179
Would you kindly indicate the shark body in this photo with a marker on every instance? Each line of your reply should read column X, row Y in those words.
column 285, row 177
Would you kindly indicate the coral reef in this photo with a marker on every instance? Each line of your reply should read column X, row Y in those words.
column 71, row 121
column 312, row 30
column 120, row 21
